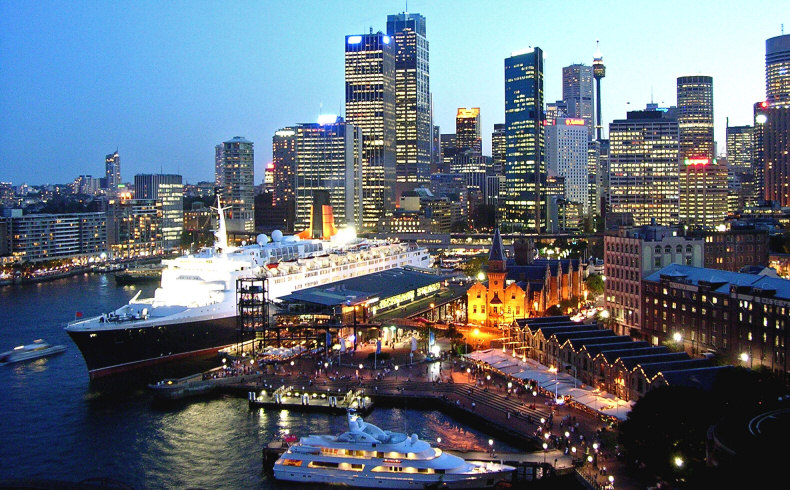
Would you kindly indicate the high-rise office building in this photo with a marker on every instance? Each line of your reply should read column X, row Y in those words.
column 703, row 193
column 468, row 136
column 370, row 105
column 594, row 180
column 412, row 99
column 498, row 148
column 134, row 227
column 169, row 190
column 436, row 150
column 695, row 117
column 566, row 156
column 773, row 118
column 777, row 69
column 556, row 110
column 740, row 147
column 328, row 160
column 577, row 93
column 523, row 206
column 643, row 167
column 238, row 179
column 703, row 179
column 448, row 150
column 740, row 171
column 219, row 159
column 112, row 171
column 284, row 159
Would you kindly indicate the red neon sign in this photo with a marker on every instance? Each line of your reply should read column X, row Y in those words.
column 697, row 161
column 574, row 122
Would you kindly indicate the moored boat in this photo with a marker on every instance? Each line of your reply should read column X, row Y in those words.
column 367, row 457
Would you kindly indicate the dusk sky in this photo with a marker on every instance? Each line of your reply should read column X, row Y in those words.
column 166, row 81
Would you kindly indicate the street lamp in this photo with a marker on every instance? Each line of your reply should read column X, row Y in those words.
column 545, row 449
column 396, row 373
column 553, row 369
column 678, row 462
column 468, row 374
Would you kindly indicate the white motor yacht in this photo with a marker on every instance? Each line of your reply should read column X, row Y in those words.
column 369, row 457
column 37, row 349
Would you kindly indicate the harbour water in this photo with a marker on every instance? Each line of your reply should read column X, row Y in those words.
column 56, row 425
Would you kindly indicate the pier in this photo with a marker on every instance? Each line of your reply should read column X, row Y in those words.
column 288, row 397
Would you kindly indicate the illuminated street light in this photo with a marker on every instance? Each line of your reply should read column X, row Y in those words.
column 678, row 461
column 677, row 337
column 744, row 357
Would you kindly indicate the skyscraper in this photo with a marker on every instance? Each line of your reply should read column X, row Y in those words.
column 328, row 160
column 238, row 178
column 777, row 69
column 740, row 171
column 169, row 191
column 523, row 206
column 695, row 116
column 773, row 119
column 577, row 92
column 643, row 167
column 436, row 150
column 412, row 99
column 498, row 148
column 284, row 159
column 703, row 180
column 112, row 171
column 448, row 151
column 219, row 159
column 468, row 136
column 566, row 156
column 370, row 105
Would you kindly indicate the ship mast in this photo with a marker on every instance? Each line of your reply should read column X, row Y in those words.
column 221, row 234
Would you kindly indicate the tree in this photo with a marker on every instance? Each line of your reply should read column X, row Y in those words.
column 475, row 265
column 594, row 284
column 668, row 423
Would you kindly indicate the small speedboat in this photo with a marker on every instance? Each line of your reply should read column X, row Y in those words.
column 28, row 352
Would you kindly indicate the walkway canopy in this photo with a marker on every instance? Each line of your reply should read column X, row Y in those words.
column 565, row 385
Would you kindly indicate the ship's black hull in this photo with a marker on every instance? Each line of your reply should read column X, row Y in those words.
column 115, row 351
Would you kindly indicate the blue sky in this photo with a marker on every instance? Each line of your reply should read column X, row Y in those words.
column 166, row 81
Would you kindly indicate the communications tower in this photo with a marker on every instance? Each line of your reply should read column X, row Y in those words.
column 599, row 71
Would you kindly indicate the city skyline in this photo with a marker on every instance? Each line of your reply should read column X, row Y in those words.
column 165, row 84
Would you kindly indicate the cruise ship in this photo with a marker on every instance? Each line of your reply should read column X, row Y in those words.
column 194, row 311
column 369, row 457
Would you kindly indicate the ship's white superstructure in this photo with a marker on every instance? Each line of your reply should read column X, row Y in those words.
column 369, row 457
column 202, row 286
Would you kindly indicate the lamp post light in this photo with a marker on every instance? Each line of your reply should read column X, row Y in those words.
column 396, row 373
column 678, row 462
column 553, row 369
column 545, row 450
column 469, row 375
column 491, row 446
column 611, row 481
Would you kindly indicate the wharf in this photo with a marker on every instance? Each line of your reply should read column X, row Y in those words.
column 287, row 397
